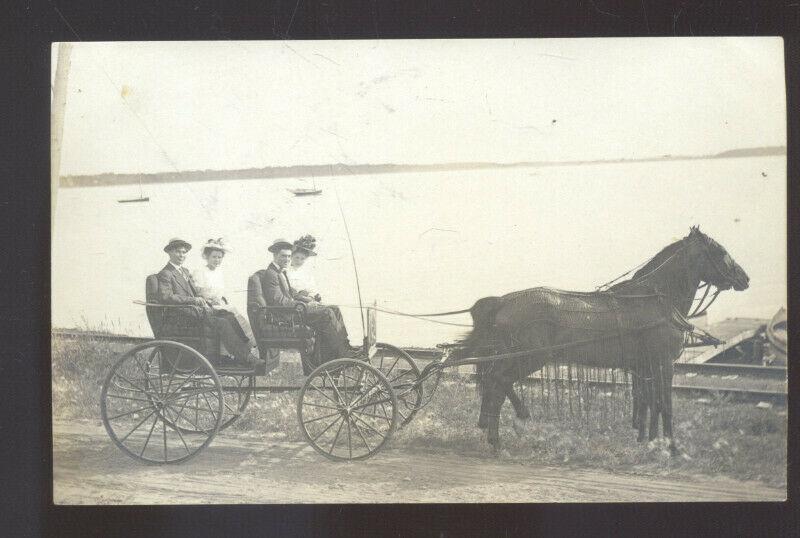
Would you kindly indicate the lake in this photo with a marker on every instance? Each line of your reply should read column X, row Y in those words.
column 426, row 242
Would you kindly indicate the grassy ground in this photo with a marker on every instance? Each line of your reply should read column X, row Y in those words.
column 718, row 437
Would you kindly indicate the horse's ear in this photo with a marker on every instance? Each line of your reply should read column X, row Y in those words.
column 694, row 229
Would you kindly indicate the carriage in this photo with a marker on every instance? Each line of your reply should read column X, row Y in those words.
column 165, row 400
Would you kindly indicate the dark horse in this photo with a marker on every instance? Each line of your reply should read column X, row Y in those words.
column 637, row 325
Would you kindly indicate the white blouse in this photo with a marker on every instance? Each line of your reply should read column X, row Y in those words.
column 210, row 283
column 301, row 279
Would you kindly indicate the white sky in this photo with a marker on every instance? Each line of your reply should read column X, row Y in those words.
column 158, row 106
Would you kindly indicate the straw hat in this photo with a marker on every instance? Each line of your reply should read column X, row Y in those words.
column 176, row 242
column 216, row 244
column 279, row 244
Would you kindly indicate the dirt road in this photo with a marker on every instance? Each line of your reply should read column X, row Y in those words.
column 261, row 468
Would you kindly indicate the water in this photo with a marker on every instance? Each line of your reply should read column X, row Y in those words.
column 427, row 242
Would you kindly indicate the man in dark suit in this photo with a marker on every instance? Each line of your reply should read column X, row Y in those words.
column 175, row 287
column 270, row 287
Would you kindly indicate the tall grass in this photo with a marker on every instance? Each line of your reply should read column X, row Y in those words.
column 79, row 368
column 737, row 440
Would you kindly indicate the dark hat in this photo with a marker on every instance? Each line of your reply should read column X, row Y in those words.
column 279, row 244
column 175, row 242
column 306, row 244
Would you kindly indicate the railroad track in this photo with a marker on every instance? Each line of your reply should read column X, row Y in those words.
column 705, row 369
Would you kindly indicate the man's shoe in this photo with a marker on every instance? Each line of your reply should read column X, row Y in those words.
column 254, row 361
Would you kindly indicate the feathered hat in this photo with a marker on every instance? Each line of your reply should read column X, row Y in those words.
column 306, row 244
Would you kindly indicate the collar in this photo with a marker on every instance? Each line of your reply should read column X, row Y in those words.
column 178, row 267
column 273, row 265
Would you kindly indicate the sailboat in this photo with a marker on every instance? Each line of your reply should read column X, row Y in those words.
column 141, row 198
column 307, row 192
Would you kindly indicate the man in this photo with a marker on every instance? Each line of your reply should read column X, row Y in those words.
column 175, row 287
column 270, row 287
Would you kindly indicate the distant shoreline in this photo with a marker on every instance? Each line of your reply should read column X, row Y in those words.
column 340, row 169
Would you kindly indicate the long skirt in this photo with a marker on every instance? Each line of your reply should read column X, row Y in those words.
column 239, row 323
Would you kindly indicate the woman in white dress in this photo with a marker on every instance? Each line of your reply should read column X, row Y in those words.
column 302, row 280
column 299, row 274
column 209, row 280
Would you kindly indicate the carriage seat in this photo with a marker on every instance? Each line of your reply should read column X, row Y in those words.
column 282, row 326
column 165, row 321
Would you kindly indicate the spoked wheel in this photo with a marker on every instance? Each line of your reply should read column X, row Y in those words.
column 162, row 402
column 236, row 391
column 403, row 374
column 430, row 377
column 347, row 410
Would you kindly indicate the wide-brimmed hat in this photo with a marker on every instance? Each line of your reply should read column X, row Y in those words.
column 279, row 244
column 176, row 242
column 216, row 244
column 305, row 244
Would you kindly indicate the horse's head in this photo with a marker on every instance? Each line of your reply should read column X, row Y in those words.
column 715, row 264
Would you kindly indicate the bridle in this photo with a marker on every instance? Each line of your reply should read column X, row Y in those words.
column 702, row 306
column 724, row 272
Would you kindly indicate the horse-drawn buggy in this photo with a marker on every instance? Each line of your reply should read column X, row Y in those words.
column 165, row 400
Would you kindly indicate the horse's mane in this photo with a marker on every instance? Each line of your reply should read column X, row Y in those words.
column 659, row 258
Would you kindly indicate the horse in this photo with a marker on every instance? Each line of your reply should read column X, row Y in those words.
column 633, row 325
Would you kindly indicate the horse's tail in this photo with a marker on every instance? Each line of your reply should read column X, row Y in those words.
column 479, row 339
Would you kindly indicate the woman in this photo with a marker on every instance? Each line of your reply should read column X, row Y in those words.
column 299, row 274
column 210, row 283
column 302, row 281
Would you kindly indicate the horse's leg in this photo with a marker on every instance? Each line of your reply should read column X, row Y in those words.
column 495, row 397
column 640, row 401
column 483, row 420
column 635, row 402
column 522, row 412
column 666, row 405
column 483, row 374
column 654, row 401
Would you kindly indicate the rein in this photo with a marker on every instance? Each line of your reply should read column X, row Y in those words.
column 423, row 317
column 699, row 310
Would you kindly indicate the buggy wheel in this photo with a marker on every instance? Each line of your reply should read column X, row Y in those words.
column 154, row 394
column 236, row 391
column 431, row 377
column 403, row 373
column 347, row 410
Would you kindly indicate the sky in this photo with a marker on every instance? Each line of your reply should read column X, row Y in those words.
column 174, row 106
